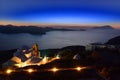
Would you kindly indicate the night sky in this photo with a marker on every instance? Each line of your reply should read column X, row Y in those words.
column 81, row 12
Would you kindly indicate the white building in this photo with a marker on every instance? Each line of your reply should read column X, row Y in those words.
column 24, row 56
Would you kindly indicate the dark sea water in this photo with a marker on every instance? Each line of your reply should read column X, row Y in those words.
column 57, row 39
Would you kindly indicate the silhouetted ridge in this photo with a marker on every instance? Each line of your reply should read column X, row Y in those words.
column 114, row 41
column 10, row 29
column 104, row 27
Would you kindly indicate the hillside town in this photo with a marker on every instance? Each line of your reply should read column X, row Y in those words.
column 103, row 58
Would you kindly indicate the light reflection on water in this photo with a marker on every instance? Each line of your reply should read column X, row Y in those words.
column 56, row 39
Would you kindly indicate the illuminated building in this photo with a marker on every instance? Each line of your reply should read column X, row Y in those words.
column 24, row 57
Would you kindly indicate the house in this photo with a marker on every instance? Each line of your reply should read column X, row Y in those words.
column 24, row 56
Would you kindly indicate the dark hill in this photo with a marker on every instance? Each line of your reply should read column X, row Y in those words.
column 114, row 41
column 104, row 27
column 6, row 55
column 74, row 48
column 10, row 29
column 35, row 30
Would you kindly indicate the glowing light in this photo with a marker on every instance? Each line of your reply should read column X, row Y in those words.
column 54, row 69
column 57, row 57
column 18, row 65
column 9, row 71
column 38, row 64
column 30, row 70
column 44, row 60
column 78, row 68
column 22, row 64
column 23, row 50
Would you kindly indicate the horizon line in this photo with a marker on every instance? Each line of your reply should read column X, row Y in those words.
column 117, row 25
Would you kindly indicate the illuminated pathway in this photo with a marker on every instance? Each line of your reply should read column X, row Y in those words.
column 54, row 69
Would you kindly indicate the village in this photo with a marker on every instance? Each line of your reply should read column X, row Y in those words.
column 104, row 59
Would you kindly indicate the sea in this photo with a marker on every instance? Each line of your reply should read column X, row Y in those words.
column 57, row 39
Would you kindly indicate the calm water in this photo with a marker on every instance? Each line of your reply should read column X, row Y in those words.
column 56, row 39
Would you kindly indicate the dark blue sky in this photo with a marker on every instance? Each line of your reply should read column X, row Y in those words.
column 61, row 11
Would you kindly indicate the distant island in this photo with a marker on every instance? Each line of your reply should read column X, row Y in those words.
column 34, row 30
column 37, row 30
column 104, row 27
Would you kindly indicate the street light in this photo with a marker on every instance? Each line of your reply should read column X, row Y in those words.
column 30, row 70
column 8, row 71
column 54, row 69
column 78, row 68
